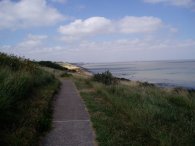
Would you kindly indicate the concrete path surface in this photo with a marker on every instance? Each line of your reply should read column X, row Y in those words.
column 71, row 123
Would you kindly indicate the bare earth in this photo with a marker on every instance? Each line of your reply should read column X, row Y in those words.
column 71, row 123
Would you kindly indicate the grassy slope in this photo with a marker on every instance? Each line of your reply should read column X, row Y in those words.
column 139, row 114
column 26, row 93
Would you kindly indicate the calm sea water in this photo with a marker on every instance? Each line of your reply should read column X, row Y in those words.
column 164, row 73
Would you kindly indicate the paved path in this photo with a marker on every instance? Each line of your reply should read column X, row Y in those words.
column 71, row 124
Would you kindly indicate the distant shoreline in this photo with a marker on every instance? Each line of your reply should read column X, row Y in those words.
column 169, row 74
column 89, row 73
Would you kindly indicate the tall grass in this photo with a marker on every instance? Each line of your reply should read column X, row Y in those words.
column 139, row 114
column 22, row 86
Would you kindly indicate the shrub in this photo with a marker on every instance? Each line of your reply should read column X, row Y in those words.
column 105, row 78
column 51, row 65
column 66, row 75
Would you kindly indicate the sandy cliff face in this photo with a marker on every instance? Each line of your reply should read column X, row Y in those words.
column 69, row 66
column 75, row 68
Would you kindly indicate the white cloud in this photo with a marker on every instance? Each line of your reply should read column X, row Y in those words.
column 103, row 51
column 173, row 29
column 130, row 49
column 90, row 26
column 33, row 46
column 100, row 25
column 32, row 41
column 131, row 24
column 27, row 13
column 138, row 44
column 60, row 1
column 182, row 3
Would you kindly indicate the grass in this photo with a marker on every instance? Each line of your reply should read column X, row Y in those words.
column 65, row 74
column 138, row 114
column 26, row 93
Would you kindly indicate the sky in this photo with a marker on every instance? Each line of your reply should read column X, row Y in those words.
column 98, row 30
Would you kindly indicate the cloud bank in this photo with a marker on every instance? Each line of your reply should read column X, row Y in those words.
column 98, row 39
column 100, row 25
column 34, row 47
column 181, row 3
column 59, row 1
column 32, row 41
column 27, row 13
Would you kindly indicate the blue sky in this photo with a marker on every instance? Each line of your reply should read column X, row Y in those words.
column 98, row 31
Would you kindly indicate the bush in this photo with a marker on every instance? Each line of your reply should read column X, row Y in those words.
column 105, row 78
column 51, row 65
column 66, row 75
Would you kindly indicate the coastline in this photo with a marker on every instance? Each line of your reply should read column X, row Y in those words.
column 89, row 73
column 162, row 73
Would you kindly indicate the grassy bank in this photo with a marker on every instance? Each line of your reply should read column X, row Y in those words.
column 139, row 114
column 26, row 93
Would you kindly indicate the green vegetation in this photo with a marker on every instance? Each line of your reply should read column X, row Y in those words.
column 26, row 93
column 51, row 65
column 66, row 74
column 139, row 114
column 105, row 78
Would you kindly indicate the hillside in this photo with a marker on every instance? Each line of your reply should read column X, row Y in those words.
column 138, row 114
column 26, row 93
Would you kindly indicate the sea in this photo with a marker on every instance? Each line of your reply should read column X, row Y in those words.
column 180, row 73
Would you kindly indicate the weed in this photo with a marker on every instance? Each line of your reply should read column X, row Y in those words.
column 66, row 74
column 25, row 95
column 139, row 114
